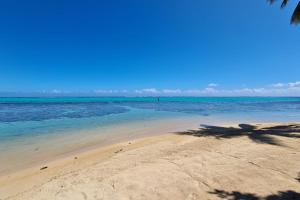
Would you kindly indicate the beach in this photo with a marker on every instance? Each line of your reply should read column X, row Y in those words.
column 149, row 100
column 258, row 161
column 34, row 131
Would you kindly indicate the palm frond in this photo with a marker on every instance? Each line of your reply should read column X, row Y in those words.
column 295, row 19
column 271, row 1
column 296, row 15
column 284, row 2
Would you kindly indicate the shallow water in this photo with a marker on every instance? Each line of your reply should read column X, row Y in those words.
column 26, row 117
column 32, row 129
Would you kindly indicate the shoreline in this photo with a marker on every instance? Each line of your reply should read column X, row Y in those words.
column 66, row 145
column 26, row 179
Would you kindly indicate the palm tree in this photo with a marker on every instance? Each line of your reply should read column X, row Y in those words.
column 296, row 15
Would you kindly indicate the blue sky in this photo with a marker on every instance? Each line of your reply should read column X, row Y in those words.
column 168, row 47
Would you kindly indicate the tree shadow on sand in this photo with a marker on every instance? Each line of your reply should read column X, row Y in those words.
column 256, row 134
column 235, row 195
column 298, row 179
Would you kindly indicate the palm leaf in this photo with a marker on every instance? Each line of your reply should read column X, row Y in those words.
column 271, row 1
column 296, row 15
column 284, row 2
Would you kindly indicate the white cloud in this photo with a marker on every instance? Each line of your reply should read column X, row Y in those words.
column 277, row 89
column 200, row 92
column 278, row 85
column 295, row 84
column 213, row 85
column 55, row 91
column 147, row 90
column 169, row 91
column 105, row 91
column 286, row 85
column 192, row 92
column 209, row 90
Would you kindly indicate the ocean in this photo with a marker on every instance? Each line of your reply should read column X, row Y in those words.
column 32, row 129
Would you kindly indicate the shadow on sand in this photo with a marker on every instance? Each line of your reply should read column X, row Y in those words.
column 235, row 195
column 256, row 134
column 298, row 179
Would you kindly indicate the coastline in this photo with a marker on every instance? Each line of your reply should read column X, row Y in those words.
column 51, row 148
column 33, row 175
column 163, row 152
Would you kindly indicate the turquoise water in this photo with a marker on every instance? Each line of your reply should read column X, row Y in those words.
column 19, row 130
column 27, row 117
column 144, row 99
column 33, row 130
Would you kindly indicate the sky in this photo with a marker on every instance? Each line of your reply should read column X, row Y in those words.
column 148, row 47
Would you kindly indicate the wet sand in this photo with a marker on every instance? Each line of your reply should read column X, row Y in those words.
column 241, row 162
column 33, row 151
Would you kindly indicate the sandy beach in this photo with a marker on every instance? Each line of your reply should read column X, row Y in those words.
column 149, row 100
column 237, row 162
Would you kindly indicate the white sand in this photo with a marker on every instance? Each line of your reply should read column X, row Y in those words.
column 165, row 167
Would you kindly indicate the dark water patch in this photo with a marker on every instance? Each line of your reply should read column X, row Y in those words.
column 14, row 112
column 26, row 111
column 209, row 108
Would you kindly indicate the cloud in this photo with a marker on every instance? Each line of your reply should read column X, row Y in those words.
column 100, row 91
column 213, row 85
column 147, row 91
column 276, row 89
column 55, row 91
column 294, row 84
column 103, row 91
column 286, row 85
column 170, row 91
column 209, row 90
column 192, row 92
column 278, row 85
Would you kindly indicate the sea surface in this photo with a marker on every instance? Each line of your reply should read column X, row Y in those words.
column 34, row 128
